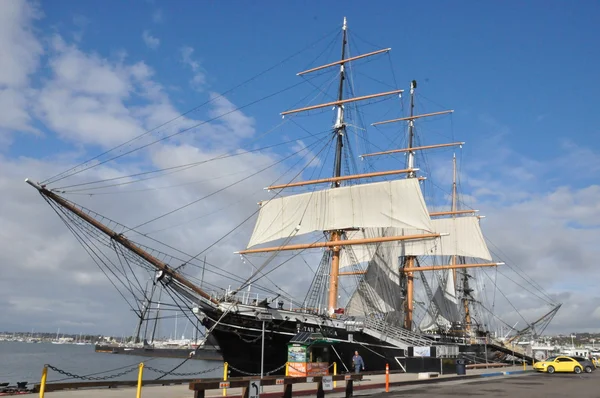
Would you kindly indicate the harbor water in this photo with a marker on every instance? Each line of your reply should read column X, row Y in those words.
column 21, row 361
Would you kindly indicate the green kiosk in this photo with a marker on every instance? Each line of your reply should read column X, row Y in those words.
column 308, row 355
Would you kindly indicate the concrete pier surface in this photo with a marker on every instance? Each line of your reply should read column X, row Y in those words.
column 370, row 385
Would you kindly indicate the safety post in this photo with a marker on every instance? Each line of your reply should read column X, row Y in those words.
column 387, row 377
column 287, row 368
column 139, row 385
column 225, row 368
column 43, row 381
column 524, row 364
column 335, row 374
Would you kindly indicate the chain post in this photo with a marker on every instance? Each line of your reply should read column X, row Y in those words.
column 335, row 374
column 225, row 369
column 139, row 385
column 43, row 381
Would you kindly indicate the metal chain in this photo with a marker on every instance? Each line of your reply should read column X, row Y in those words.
column 182, row 374
column 269, row 372
column 98, row 378
column 257, row 374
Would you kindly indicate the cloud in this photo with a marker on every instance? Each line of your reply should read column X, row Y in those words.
column 157, row 16
column 150, row 41
column 199, row 78
column 541, row 225
column 90, row 100
column 21, row 54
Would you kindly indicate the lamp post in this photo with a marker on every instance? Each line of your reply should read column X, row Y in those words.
column 263, row 316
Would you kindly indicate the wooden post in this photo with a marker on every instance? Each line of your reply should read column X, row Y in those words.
column 348, row 388
column 43, row 381
column 287, row 391
column 139, row 383
column 320, row 391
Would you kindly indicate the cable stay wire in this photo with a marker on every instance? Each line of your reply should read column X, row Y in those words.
column 266, row 204
column 66, row 174
column 221, row 189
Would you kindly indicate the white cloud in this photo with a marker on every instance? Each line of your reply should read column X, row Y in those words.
column 157, row 16
column 92, row 100
column 199, row 79
column 150, row 41
column 20, row 57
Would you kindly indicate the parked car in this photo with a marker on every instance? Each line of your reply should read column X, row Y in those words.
column 563, row 363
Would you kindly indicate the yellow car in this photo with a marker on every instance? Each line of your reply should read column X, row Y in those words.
column 562, row 364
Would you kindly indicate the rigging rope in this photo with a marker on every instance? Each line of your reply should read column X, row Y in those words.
column 65, row 174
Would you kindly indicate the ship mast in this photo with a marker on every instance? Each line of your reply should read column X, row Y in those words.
column 339, row 131
column 409, row 261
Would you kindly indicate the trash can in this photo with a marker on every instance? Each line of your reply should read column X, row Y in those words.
column 461, row 367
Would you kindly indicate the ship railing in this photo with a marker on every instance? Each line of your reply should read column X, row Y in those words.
column 397, row 333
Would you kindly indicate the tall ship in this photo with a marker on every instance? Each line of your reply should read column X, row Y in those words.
column 399, row 274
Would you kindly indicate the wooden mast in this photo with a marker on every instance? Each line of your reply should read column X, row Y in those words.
column 123, row 241
column 409, row 261
column 340, row 129
column 454, row 210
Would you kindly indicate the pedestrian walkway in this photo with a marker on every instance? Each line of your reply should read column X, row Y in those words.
column 370, row 382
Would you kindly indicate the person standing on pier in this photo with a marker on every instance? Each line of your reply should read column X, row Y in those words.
column 357, row 362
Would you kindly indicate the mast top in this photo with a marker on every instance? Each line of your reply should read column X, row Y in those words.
column 345, row 26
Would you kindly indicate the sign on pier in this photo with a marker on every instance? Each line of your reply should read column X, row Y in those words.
column 254, row 389
column 327, row 383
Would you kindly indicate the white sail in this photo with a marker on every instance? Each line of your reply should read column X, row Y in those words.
column 379, row 290
column 396, row 203
column 444, row 306
column 464, row 238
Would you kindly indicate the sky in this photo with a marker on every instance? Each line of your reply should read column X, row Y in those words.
column 77, row 80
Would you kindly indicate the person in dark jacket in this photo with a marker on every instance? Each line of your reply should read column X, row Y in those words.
column 357, row 362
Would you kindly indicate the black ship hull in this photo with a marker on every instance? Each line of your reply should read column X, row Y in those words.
column 206, row 354
column 240, row 340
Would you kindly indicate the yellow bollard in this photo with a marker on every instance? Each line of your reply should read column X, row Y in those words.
column 335, row 374
column 139, row 386
column 524, row 365
column 43, row 381
column 225, row 368
column 287, row 368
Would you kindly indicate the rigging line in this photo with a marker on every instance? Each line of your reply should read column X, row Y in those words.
column 250, row 280
column 525, row 276
column 121, row 249
column 329, row 47
column 47, row 181
column 549, row 301
column 256, row 211
column 284, row 295
column 88, row 250
column 311, row 177
column 184, row 130
column 509, row 302
column 187, row 166
column 128, row 281
column 220, row 190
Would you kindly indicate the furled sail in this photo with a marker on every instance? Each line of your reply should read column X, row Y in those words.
column 443, row 310
column 395, row 203
column 378, row 292
column 464, row 239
